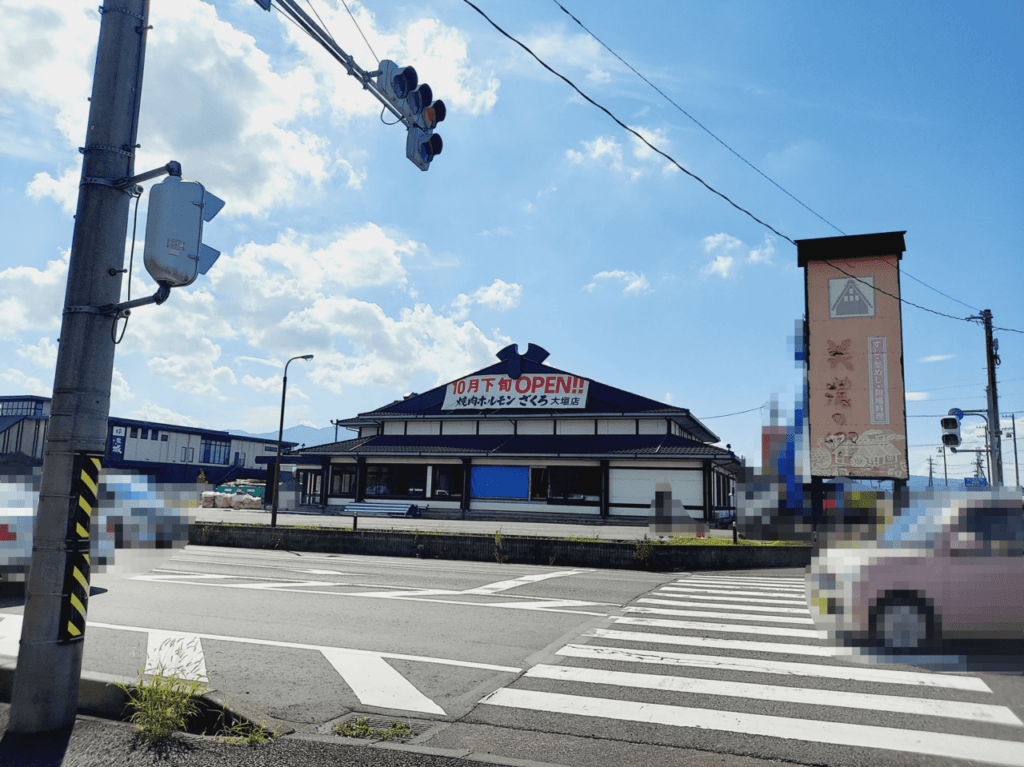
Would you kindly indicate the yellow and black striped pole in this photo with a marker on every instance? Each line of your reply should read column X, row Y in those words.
column 75, row 593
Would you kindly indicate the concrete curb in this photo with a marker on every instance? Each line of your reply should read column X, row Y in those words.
column 98, row 694
column 634, row 555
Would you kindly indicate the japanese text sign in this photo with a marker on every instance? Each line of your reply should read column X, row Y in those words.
column 530, row 391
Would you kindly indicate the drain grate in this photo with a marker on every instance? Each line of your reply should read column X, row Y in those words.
column 377, row 722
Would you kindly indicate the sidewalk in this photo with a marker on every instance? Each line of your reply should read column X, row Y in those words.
column 480, row 527
column 93, row 742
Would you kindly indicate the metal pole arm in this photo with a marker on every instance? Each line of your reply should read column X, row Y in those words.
column 307, row 24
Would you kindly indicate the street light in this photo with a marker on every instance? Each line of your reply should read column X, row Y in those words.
column 280, row 435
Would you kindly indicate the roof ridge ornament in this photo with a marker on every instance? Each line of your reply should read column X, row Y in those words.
column 510, row 354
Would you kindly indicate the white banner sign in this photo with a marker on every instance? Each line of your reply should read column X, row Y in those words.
column 560, row 391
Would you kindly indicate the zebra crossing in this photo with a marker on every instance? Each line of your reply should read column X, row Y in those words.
column 737, row 661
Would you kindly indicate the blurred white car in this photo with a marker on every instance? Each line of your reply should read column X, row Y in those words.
column 949, row 568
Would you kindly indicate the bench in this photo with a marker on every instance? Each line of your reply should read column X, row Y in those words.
column 382, row 509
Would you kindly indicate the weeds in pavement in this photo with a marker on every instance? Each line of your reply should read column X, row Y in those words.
column 360, row 728
column 163, row 703
column 499, row 548
column 582, row 539
column 246, row 734
column 643, row 551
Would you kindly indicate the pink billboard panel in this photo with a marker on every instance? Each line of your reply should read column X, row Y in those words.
column 857, row 414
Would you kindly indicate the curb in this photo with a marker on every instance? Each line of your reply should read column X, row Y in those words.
column 505, row 549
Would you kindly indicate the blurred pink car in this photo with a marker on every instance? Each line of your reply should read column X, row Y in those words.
column 960, row 576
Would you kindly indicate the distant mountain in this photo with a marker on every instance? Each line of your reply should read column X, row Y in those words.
column 306, row 435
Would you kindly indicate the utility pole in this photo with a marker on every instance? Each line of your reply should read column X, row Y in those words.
column 1016, row 464
column 930, row 483
column 945, row 471
column 45, row 695
column 979, row 470
column 994, row 431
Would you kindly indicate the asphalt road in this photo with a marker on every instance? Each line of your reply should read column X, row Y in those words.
column 551, row 665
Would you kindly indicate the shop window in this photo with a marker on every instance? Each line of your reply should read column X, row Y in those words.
column 574, row 483
column 145, row 434
column 184, row 455
column 500, row 482
column 538, row 484
column 446, row 482
column 154, row 435
column 163, row 437
column 212, row 451
column 343, row 480
column 134, row 432
column 404, row 480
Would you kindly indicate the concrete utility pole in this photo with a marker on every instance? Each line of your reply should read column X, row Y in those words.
column 45, row 695
column 995, row 432
column 930, row 483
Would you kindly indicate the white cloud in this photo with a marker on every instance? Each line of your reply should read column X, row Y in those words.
column 608, row 152
column 917, row 396
column 120, row 391
column 63, row 190
column 762, row 254
column 499, row 295
column 47, row 53
column 264, row 385
column 440, row 53
column 727, row 252
column 16, row 381
column 193, row 372
column 633, row 283
column 937, row 357
column 260, row 361
column 598, row 77
column 42, row 354
column 160, row 414
column 31, row 298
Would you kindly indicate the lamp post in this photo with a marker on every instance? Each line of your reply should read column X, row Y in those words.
column 280, row 436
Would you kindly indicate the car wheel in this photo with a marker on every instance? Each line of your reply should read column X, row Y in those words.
column 904, row 623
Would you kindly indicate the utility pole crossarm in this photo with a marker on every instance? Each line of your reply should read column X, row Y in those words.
column 321, row 36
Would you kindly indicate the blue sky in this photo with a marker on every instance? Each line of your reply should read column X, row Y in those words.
column 541, row 221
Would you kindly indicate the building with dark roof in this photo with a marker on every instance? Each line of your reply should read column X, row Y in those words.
column 521, row 436
column 167, row 452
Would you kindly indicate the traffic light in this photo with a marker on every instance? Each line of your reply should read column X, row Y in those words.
column 950, row 430
column 415, row 102
column 175, row 254
column 422, row 146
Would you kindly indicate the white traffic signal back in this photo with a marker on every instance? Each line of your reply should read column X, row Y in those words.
column 422, row 146
column 950, row 430
column 174, row 254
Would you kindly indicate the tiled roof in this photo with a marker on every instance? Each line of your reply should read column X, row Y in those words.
column 602, row 400
column 526, row 445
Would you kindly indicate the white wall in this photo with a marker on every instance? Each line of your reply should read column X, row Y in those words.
column 424, row 427
column 575, row 427
column 538, row 426
column 617, row 426
column 496, row 427
column 459, row 427
column 638, row 486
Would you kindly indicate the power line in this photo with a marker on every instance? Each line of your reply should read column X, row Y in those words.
column 741, row 157
column 741, row 412
column 364, row 36
column 697, row 122
column 622, row 125
column 697, row 178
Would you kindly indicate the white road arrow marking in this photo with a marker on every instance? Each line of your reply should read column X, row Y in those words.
column 376, row 683
column 170, row 653
column 10, row 635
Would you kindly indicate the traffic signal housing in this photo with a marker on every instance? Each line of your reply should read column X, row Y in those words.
column 415, row 102
column 950, row 431
column 175, row 254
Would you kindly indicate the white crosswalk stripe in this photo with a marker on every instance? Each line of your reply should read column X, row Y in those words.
column 665, row 649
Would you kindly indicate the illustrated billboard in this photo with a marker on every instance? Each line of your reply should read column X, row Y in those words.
column 856, row 407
